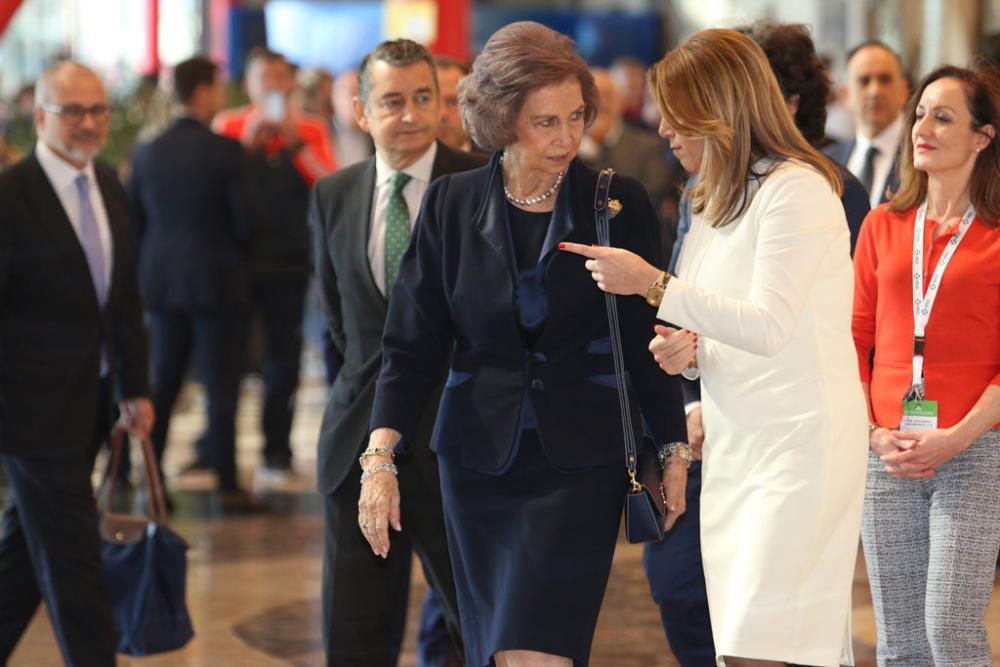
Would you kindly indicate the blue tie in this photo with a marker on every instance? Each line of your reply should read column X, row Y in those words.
column 90, row 239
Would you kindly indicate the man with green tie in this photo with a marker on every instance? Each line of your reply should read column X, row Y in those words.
column 362, row 217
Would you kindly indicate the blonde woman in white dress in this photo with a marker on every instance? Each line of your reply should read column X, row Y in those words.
column 762, row 304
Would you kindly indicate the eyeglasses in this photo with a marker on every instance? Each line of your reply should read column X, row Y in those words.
column 76, row 113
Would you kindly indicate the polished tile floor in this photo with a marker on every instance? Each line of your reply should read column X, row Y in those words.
column 254, row 582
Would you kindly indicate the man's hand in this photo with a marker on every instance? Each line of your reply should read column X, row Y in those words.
column 136, row 416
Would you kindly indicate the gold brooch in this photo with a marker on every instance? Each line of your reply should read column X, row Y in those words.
column 614, row 208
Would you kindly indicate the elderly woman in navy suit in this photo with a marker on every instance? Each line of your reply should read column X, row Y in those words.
column 528, row 435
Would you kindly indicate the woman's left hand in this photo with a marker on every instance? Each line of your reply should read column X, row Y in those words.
column 930, row 449
column 378, row 509
column 674, row 483
column 615, row 270
column 673, row 349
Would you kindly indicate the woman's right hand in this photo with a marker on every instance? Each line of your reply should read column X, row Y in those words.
column 673, row 349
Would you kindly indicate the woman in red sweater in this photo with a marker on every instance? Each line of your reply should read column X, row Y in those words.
column 927, row 300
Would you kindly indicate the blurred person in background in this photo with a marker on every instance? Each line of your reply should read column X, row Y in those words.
column 449, row 72
column 190, row 196
column 927, row 301
column 19, row 126
column 629, row 74
column 314, row 93
column 352, row 143
column 287, row 152
column 72, row 342
column 839, row 120
column 875, row 92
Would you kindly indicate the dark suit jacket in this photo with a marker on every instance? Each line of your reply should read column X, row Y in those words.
column 456, row 290
column 841, row 153
column 340, row 215
column 189, row 194
column 51, row 327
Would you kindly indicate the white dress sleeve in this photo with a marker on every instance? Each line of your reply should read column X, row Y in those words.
column 799, row 219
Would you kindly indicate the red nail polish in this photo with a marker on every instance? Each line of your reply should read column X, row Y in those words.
column 594, row 245
column 562, row 245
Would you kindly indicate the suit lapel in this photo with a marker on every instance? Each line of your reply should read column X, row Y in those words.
column 52, row 217
column 561, row 224
column 360, row 208
column 491, row 219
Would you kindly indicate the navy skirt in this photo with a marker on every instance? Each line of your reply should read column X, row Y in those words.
column 531, row 550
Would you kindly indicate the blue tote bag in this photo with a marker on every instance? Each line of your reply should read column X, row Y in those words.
column 145, row 565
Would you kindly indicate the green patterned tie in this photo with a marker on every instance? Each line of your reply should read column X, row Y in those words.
column 397, row 229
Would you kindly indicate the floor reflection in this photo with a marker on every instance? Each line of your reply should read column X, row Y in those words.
column 254, row 581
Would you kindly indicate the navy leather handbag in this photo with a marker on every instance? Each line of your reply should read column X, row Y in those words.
column 145, row 564
column 645, row 503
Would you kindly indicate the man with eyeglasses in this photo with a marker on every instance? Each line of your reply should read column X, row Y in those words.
column 362, row 217
column 71, row 339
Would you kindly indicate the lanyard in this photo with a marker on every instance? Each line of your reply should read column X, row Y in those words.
column 924, row 302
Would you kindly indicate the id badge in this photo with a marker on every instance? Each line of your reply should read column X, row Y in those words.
column 919, row 415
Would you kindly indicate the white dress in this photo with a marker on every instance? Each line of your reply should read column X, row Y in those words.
column 786, row 440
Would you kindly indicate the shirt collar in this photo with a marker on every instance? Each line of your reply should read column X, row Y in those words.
column 61, row 173
column 419, row 170
column 887, row 141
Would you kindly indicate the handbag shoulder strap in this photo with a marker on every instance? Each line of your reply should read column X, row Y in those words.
column 156, row 505
column 604, row 238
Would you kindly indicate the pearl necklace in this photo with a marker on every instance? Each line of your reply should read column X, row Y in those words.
column 531, row 201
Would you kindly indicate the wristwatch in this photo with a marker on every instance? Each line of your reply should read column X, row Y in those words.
column 654, row 295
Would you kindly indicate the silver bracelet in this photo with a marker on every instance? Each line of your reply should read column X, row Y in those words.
column 669, row 450
column 381, row 467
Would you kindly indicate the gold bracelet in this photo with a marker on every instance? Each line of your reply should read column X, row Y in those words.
column 376, row 451
column 872, row 427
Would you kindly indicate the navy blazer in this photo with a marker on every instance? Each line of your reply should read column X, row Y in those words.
column 841, row 153
column 456, row 293
column 189, row 192
column 52, row 330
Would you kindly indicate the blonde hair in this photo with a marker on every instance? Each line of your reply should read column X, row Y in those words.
column 719, row 86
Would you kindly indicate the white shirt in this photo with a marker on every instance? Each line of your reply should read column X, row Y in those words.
column 62, row 175
column 887, row 143
column 413, row 193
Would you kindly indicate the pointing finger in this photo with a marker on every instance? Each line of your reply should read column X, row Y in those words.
column 593, row 252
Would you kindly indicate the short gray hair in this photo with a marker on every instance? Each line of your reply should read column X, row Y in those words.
column 395, row 52
column 46, row 84
column 518, row 59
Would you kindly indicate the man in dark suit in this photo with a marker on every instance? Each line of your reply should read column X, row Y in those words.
column 875, row 92
column 71, row 337
column 189, row 194
column 361, row 218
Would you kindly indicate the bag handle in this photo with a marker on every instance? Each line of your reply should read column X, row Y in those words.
column 156, row 504
column 604, row 239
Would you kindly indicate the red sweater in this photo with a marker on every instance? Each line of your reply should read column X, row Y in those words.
column 314, row 160
column 962, row 352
